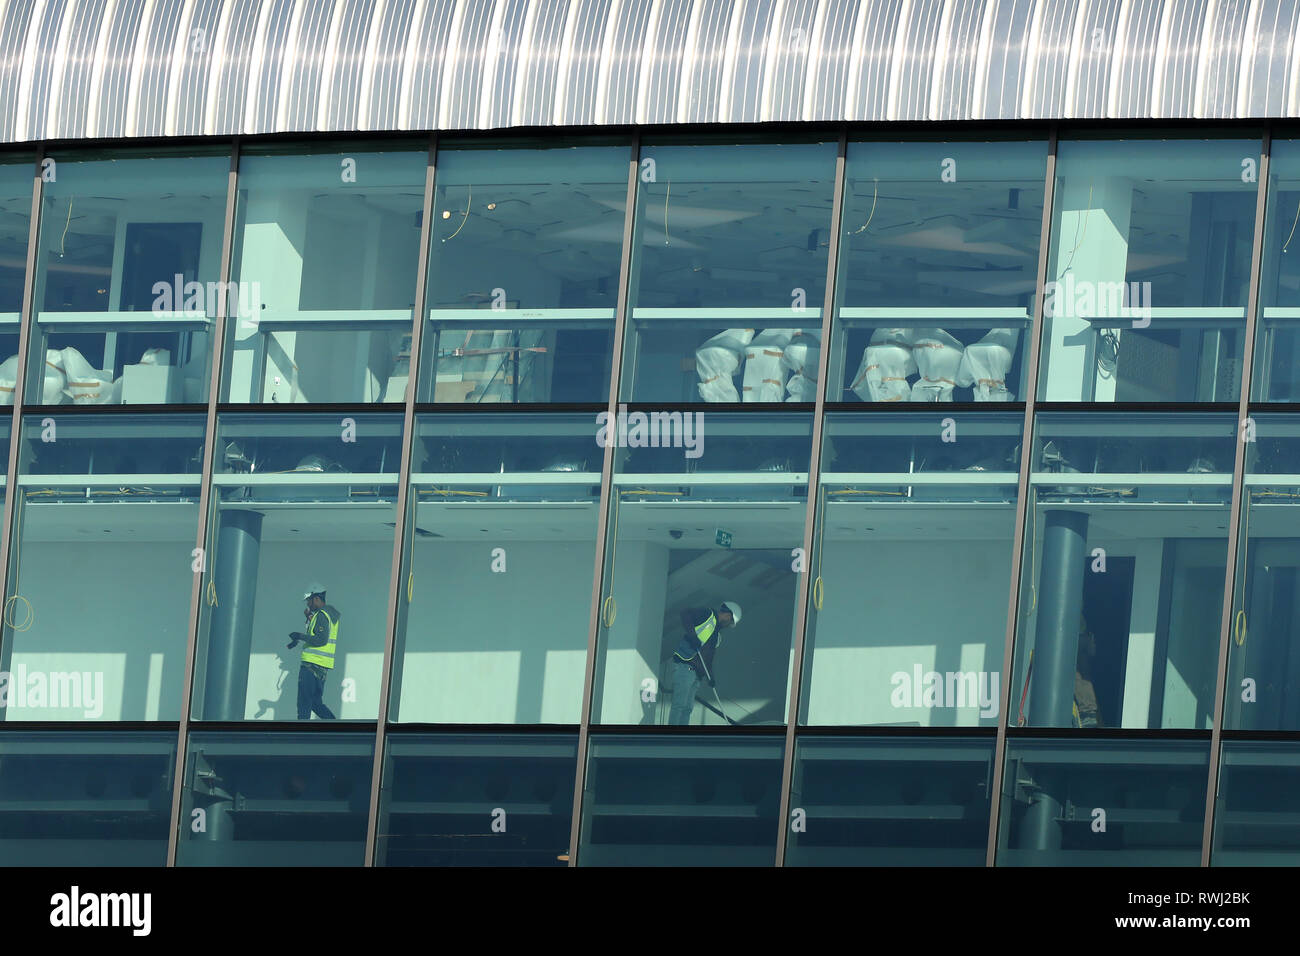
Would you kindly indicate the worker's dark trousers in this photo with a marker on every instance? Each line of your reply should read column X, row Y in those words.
column 311, row 684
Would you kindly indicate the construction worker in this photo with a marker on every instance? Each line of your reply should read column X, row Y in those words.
column 1086, row 712
column 318, row 652
column 693, row 659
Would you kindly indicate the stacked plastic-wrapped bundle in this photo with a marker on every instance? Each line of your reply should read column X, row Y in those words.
column 86, row 385
column 886, row 363
column 938, row 356
column 764, row 378
column 984, row 366
column 717, row 361
column 801, row 357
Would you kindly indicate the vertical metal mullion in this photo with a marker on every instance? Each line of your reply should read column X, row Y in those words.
column 814, row 477
column 403, row 501
column 607, row 499
column 217, row 353
column 1238, row 496
column 1023, row 500
column 25, row 320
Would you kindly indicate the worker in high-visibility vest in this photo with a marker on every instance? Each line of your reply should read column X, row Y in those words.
column 693, row 659
column 320, row 641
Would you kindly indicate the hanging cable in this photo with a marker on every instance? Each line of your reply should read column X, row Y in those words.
column 66, row 224
column 875, row 192
column 465, row 218
column 1293, row 225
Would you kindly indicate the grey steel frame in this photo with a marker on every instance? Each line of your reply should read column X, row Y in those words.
column 626, row 265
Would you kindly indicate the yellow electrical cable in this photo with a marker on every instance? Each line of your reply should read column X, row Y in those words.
column 667, row 193
column 468, row 202
column 1087, row 213
column 875, row 192
column 609, row 609
column 64, row 237
column 9, row 609
column 212, row 593
column 1293, row 225
column 818, row 587
column 1239, row 628
column 410, row 587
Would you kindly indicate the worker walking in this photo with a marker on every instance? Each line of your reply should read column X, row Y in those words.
column 693, row 659
column 319, row 643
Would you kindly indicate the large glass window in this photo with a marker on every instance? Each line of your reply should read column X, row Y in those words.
column 938, row 265
column 1149, row 270
column 914, row 801
column 1255, row 817
column 101, row 574
column 300, row 543
column 1103, row 803
column 477, row 800
column 729, row 271
column 327, row 244
column 127, row 277
column 912, row 569
column 698, row 800
column 502, row 550
column 1277, row 342
column 714, row 515
column 527, row 241
column 16, row 177
column 1263, row 691
column 85, row 799
column 279, row 799
column 1125, row 554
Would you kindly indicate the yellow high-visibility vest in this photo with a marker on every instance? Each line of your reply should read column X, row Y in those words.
column 322, row 654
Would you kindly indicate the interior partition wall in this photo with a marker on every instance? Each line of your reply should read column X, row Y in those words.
column 657, row 356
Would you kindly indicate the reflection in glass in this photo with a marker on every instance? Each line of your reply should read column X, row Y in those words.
column 686, row 535
column 477, row 800
column 105, row 528
column 16, row 177
column 73, row 799
column 326, row 250
column 938, row 265
column 730, row 272
column 127, row 278
column 1149, row 272
column 1264, row 655
column 504, row 530
column 528, row 240
column 911, row 569
column 275, row 799
column 905, row 801
column 1152, row 795
column 681, row 801
column 1122, row 592
column 1277, row 347
column 302, row 506
column 1255, row 818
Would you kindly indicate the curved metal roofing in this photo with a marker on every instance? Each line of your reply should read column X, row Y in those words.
column 122, row 68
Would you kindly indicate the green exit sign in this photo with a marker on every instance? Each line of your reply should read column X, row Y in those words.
column 723, row 538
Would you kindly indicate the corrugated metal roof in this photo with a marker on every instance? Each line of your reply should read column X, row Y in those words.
column 121, row 68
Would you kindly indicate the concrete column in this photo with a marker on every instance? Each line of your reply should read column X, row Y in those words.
column 230, row 636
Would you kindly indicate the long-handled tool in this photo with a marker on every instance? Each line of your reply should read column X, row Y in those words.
column 709, row 677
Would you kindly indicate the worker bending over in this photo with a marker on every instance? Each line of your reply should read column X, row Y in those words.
column 693, row 659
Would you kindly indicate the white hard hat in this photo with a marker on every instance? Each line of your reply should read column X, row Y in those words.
column 734, row 608
column 314, row 587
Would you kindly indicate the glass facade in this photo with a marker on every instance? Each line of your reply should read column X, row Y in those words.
column 734, row 566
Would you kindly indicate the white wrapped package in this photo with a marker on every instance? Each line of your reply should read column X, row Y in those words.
column 55, row 379
column 8, row 379
column 156, row 357
column 938, row 356
column 887, row 361
column 801, row 389
column 86, row 385
column 802, row 355
column 764, row 378
column 984, row 365
column 716, row 363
